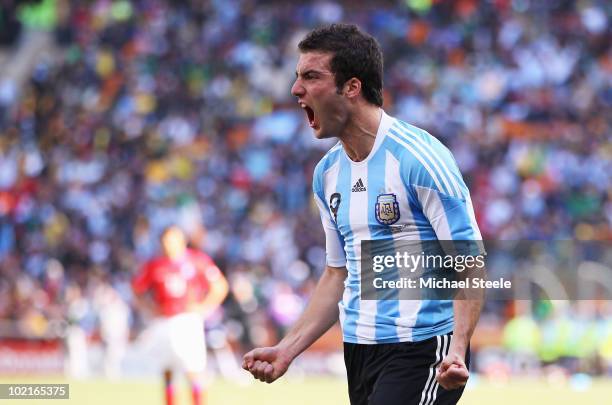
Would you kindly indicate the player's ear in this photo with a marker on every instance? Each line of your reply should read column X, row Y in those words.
column 352, row 87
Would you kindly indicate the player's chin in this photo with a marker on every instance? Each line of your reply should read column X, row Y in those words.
column 320, row 133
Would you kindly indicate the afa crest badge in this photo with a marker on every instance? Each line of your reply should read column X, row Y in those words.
column 387, row 209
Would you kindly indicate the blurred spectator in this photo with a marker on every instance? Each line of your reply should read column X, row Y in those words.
column 113, row 316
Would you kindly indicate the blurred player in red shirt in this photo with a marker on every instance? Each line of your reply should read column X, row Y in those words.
column 184, row 287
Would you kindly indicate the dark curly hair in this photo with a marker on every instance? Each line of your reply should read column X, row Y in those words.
column 355, row 54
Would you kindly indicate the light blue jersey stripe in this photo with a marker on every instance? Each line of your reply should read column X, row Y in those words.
column 352, row 306
column 387, row 306
column 458, row 220
column 422, row 223
column 435, row 316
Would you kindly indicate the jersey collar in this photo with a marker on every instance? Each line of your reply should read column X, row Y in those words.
column 383, row 127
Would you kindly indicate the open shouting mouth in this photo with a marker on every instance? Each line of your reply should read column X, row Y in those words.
column 310, row 115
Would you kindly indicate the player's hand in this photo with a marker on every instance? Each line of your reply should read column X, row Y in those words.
column 266, row 364
column 452, row 372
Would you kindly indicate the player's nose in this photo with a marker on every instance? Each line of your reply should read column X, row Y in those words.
column 297, row 89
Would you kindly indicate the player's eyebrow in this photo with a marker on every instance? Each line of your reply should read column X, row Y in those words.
column 308, row 72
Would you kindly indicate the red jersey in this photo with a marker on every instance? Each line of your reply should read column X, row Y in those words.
column 175, row 284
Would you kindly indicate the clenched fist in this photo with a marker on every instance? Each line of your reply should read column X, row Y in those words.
column 452, row 372
column 267, row 364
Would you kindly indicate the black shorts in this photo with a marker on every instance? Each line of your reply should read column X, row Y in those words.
column 399, row 373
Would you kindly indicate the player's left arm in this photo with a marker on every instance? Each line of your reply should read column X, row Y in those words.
column 141, row 287
column 452, row 372
column 455, row 224
column 218, row 287
column 445, row 201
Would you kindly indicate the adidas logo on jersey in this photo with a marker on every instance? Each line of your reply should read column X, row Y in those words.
column 358, row 187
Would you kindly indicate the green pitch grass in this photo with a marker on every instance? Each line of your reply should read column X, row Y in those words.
column 311, row 391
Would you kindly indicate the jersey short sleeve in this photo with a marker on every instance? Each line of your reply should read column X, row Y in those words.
column 439, row 190
column 334, row 243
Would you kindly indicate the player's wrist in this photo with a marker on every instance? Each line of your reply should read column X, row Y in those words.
column 458, row 349
column 286, row 352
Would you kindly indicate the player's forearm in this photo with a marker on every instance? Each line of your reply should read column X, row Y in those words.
column 144, row 304
column 466, row 312
column 320, row 314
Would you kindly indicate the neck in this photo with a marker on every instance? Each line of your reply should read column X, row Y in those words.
column 360, row 133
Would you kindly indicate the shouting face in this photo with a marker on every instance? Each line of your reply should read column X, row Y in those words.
column 326, row 107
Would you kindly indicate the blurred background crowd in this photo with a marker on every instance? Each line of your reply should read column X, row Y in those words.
column 118, row 118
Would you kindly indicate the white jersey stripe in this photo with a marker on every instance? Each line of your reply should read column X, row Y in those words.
column 434, row 210
column 394, row 184
column 435, row 155
column 402, row 134
column 408, row 308
column 358, row 213
column 419, row 158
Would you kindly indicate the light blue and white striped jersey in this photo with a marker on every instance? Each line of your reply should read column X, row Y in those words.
column 409, row 167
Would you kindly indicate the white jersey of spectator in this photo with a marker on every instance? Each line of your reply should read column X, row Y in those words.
column 417, row 178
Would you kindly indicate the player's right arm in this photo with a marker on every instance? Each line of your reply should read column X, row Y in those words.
column 269, row 363
column 218, row 286
column 141, row 286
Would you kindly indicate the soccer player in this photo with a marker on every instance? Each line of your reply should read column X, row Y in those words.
column 384, row 179
column 185, row 287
